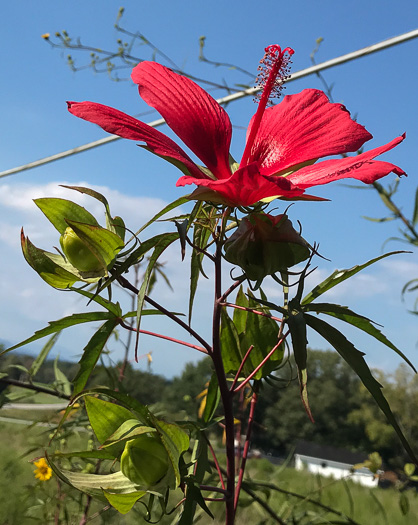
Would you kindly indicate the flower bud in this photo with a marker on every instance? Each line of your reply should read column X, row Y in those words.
column 264, row 244
column 144, row 461
column 78, row 253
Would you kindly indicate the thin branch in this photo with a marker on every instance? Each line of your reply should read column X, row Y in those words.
column 126, row 284
column 254, row 400
column 216, row 463
column 263, row 362
column 241, row 366
column 161, row 336
column 36, row 388
column 257, row 312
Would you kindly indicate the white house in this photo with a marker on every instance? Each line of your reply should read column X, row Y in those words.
column 332, row 462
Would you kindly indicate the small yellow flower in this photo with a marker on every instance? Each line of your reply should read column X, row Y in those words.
column 45, row 36
column 43, row 470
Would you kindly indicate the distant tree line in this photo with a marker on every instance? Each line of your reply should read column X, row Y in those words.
column 345, row 414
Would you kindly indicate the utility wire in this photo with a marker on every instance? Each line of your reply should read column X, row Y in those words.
column 229, row 98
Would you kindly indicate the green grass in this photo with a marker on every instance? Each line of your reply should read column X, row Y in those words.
column 21, row 496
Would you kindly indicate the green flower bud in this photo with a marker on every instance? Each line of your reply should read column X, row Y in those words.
column 264, row 244
column 78, row 253
column 144, row 461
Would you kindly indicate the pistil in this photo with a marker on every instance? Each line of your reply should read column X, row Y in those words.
column 272, row 71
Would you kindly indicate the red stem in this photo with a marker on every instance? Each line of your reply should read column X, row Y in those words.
column 246, row 444
column 241, row 366
column 263, row 362
column 257, row 312
column 161, row 336
column 218, row 468
column 226, row 395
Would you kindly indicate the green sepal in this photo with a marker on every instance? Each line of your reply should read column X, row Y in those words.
column 129, row 429
column 123, row 503
column 52, row 268
column 103, row 243
column 58, row 211
column 105, row 419
column 93, row 484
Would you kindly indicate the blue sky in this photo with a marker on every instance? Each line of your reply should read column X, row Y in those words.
column 380, row 89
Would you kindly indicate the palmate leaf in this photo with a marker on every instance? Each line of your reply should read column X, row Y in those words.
column 56, row 326
column 339, row 276
column 354, row 358
column 91, row 354
column 245, row 330
column 359, row 321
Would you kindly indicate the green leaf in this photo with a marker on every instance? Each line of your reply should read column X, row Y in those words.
column 57, row 326
column 339, row 276
column 213, row 398
column 43, row 354
column 58, row 210
column 169, row 207
column 61, row 380
column 404, row 503
column 359, row 321
column 230, row 344
column 193, row 496
column 355, row 359
column 123, row 503
column 415, row 213
column 409, row 469
column 297, row 326
column 162, row 245
column 114, row 308
column 91, row 354
column 175, row 441
column 200, row 239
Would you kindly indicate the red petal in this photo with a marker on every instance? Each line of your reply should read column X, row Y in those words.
column 201, row 123
column 303, row 127
column 246, row 186
column 123, row 125
column 362, row 167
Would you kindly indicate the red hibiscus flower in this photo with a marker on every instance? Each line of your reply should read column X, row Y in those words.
column 283, row 142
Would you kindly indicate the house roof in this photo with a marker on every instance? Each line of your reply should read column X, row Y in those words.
column 327, row 452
